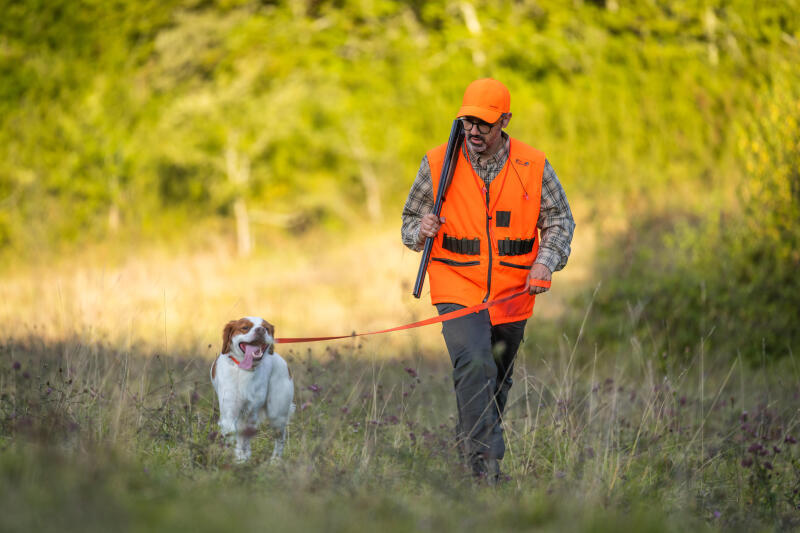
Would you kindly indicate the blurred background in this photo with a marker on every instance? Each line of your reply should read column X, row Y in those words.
column 168, row 165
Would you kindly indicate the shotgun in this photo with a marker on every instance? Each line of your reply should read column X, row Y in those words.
column 448, row 167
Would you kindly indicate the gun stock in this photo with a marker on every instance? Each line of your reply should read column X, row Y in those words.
column 449, row 166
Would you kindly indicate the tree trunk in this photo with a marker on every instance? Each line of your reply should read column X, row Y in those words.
column 238, row 168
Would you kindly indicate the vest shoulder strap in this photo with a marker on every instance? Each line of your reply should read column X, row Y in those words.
column 526, row 155
column 436, row 157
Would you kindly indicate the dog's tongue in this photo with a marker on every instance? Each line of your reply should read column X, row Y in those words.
column 249, row 352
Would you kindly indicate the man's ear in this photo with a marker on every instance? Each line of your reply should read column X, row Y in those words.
column 227, row 333
column 506, row 120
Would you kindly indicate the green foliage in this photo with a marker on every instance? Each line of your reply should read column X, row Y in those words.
column 149, row 116
column 132, row 107
column 730, row 276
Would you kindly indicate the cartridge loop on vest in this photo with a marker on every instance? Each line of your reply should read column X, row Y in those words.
column 510, row 246
column 461, row 246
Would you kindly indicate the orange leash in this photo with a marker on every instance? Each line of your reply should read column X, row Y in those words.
column 428, row 321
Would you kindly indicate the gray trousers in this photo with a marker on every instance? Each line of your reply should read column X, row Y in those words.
column 483, row 362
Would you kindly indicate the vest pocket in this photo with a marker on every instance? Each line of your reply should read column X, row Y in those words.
column 513, row 265
column 455, row 263
column 502, row 219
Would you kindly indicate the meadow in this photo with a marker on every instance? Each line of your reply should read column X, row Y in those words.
column 168, row 166
column 108, row 418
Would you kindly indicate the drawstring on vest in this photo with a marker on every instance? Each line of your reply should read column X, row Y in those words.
column 525, row 196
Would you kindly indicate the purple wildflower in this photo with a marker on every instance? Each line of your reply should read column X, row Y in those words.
column 411, row 372
column 747, row 462
column 314, row 388
column 754, row 448
column 16, row 365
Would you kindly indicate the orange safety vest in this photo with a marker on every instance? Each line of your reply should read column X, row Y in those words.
column 489, row 240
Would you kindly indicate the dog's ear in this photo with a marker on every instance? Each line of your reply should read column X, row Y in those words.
column 271, row 331
column 227, row 333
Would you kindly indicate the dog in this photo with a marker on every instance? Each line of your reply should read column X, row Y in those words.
column 253, row 384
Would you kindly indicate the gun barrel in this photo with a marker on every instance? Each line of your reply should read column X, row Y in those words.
column 448, row 168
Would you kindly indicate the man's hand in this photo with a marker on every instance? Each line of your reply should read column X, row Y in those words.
column 429, row 227
column 538, row 271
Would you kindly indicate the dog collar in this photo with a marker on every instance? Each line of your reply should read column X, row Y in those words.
column 237, row 363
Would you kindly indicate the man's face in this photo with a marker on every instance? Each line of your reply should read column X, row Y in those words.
column 485, row 143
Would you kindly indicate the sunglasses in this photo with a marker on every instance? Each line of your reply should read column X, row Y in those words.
column 483, row 127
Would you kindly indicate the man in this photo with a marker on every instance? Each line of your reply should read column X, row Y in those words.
column 488, row 245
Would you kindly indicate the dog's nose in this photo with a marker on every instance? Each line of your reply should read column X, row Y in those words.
column 260, row 330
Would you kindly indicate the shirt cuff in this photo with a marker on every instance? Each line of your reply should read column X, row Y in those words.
column 417, row 247
column 548, row 258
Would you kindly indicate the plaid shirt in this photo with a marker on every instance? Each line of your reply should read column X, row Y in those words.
column 555, row 216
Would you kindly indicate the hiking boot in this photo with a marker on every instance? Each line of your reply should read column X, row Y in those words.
column 492, row 472
column 487, row 469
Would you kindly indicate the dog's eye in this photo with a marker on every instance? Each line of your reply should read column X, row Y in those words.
column 245, row 328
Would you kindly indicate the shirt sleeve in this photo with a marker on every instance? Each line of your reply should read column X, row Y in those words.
column 555, row 221
column 418, row 204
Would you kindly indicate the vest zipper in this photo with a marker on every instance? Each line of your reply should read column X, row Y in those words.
column 489, row 245
column 485, row 189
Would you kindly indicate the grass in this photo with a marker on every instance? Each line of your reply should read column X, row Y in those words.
column 94, row 439
column 104, row 426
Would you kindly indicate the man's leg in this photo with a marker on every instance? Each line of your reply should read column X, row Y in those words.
column 468, row 341
column 506, row 339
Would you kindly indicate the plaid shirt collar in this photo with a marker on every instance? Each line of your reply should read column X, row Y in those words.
column 489, row 168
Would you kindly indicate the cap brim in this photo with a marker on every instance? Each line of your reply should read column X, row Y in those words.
column 487, row 115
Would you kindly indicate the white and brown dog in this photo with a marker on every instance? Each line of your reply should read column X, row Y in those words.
column 252, row 383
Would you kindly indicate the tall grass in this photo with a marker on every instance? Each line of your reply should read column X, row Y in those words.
column 107, row 416
column 96, row 436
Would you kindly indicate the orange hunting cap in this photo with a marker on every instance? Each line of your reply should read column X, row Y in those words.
column 485, row 99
